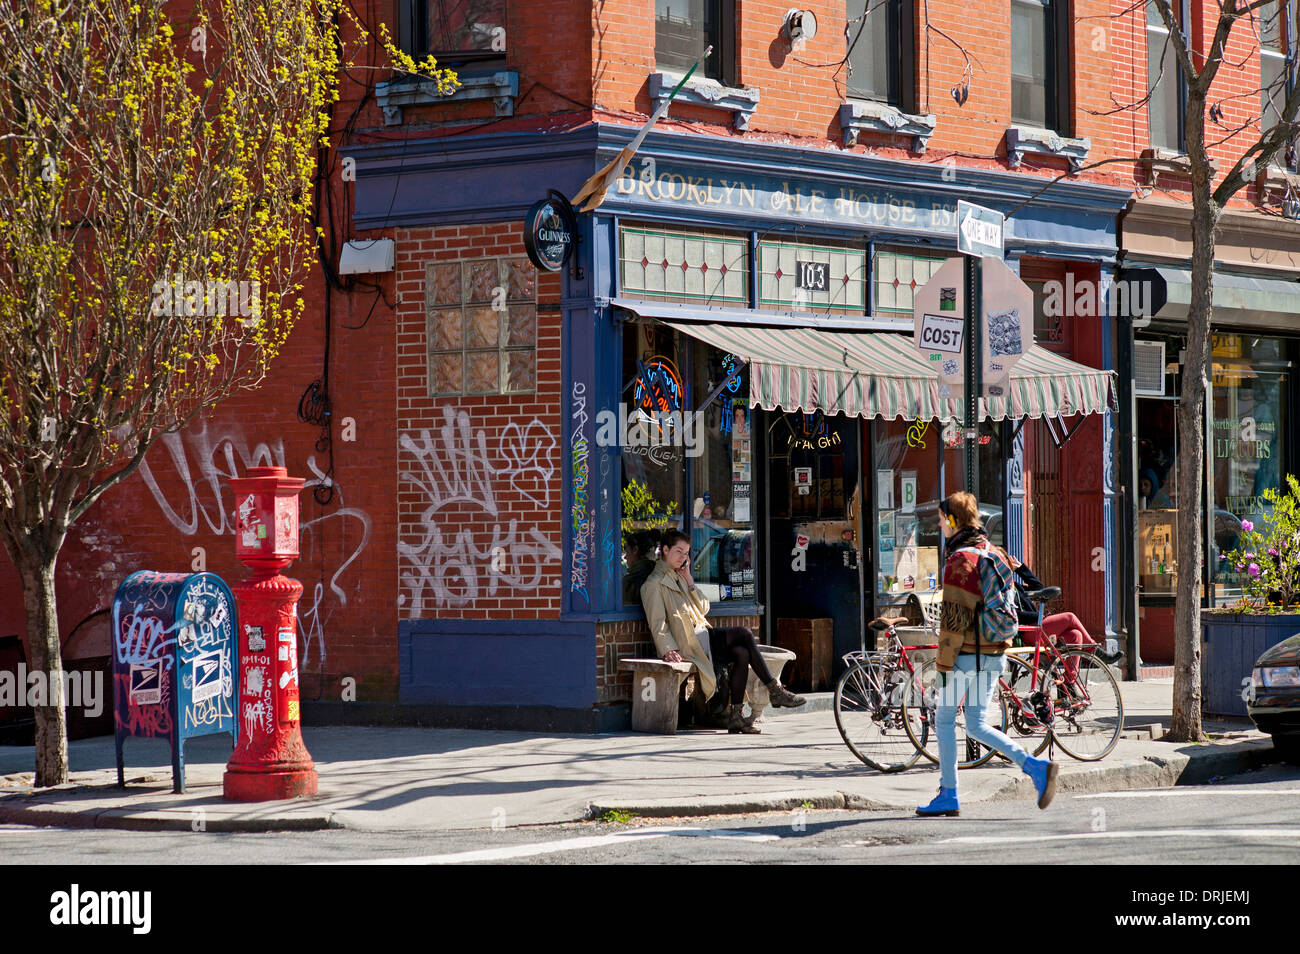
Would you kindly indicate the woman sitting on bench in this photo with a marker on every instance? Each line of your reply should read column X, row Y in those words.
column 676, row 610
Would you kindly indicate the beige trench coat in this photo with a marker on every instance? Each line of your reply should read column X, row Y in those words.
column 673, row 610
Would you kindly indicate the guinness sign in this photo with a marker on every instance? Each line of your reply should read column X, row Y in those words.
column 550, row 232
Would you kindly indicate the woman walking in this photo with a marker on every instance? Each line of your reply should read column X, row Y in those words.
column 976, row 581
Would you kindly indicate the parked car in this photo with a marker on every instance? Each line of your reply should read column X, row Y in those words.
column 1273, row 700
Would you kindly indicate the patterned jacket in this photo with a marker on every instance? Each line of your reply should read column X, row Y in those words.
column 964, row 597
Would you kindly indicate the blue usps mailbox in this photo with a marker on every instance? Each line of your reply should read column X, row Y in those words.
column 175, row 669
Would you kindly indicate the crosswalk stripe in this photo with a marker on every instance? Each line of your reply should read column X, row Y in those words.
column 568, row 844
column 1273, row 833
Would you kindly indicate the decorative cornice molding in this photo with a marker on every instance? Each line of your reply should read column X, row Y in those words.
column 857, row 117
column 500, row 86
column 1031, row 140
column 741, row 101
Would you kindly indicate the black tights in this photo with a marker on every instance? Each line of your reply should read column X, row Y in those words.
column 736, row 643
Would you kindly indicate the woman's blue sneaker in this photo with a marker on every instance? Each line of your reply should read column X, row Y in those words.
column 1043, row 772
column 945, row 803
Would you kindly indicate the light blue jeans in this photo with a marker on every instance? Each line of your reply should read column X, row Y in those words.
column 979, row 692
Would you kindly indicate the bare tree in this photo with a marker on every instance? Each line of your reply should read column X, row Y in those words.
column 1270, row 137
column 156, row 188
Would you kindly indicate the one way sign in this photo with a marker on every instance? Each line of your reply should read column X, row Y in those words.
column 979, row 230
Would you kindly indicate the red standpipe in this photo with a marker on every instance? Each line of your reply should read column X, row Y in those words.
column 270, row 761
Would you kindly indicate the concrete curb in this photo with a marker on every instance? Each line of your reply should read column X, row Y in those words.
column 125, row 819
column 1151, row 772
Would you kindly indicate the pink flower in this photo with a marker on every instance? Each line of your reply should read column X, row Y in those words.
column 1253, row 570
column 1247, row 526
column 1241, row 566
column 1249, row 556
column 1272, row 551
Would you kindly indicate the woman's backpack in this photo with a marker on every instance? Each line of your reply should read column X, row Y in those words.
column 999, row 620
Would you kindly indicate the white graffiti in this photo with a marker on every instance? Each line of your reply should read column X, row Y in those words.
column 256, row 717
column 453, row 469
column 205, row 462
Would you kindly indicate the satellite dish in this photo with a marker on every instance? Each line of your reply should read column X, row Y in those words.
column 799, row 25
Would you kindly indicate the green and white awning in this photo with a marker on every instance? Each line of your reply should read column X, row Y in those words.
column 879, row 374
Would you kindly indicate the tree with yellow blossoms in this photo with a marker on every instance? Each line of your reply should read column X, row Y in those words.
column 157, row 168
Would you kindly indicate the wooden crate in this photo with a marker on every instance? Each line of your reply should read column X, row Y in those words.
column 811, row 640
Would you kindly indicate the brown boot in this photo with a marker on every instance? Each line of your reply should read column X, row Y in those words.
column 783, row 698
column 737, row 722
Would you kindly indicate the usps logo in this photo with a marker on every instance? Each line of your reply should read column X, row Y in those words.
column 207, row 676
column 146, row 683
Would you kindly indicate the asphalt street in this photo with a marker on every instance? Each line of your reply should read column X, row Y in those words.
column 1246, row 819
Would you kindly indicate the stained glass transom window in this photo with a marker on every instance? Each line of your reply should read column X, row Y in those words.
column 693, row 267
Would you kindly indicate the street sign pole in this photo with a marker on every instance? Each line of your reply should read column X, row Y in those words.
column 974, row 372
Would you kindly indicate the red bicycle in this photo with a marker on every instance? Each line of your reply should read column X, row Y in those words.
column 881, row 706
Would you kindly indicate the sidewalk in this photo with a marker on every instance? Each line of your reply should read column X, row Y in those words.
column 399, row 779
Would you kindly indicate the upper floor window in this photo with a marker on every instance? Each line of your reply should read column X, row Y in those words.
column 1164, row 81
column 685, row 28
column 1277, row 27
column 1040, row 60
column 455, row 31
column 880, row 38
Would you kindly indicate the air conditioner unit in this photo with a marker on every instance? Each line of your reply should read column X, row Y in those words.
column 1149, row 368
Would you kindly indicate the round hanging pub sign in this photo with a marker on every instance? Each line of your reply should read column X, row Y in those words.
column 550, row 232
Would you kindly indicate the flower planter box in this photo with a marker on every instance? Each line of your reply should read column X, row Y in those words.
column 1230, row 644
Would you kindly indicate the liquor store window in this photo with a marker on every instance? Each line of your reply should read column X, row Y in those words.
column 687, row 461
column 1249, row 446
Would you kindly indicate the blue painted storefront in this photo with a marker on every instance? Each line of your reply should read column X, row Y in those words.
column 688, row 181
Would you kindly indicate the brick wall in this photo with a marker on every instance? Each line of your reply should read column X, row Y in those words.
column 480, row 476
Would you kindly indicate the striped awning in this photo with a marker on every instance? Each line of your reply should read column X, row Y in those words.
column 877, row 374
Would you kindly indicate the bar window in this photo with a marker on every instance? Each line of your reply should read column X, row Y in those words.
column 684, row 28
column 654, row 459
column 1165, row 107
column 896, row 275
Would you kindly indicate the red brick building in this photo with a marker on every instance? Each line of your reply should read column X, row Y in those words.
column 464, row 529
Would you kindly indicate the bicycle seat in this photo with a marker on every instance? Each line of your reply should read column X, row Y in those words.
column 1045, row 595
column 878, row 625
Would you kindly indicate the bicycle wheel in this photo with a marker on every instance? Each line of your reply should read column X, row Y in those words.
column 868, row 713
column 920, row 725
column 1088, row 705
column 1026, row 706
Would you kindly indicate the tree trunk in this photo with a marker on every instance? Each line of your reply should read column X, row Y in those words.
column 1185, row 725
column 45, row 656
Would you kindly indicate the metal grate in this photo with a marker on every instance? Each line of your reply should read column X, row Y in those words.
column 1149, row 367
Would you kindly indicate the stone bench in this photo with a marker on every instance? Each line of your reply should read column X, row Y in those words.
column 656, row 689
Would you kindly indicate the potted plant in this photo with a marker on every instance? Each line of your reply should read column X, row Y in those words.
column 1266, row 564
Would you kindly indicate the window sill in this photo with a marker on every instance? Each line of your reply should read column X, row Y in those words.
column 1276, row 178
column 1031, row 140
column 1158, row 160
column 740, row 101
column 859, row 116
column 500, row 86
column 724, row 609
